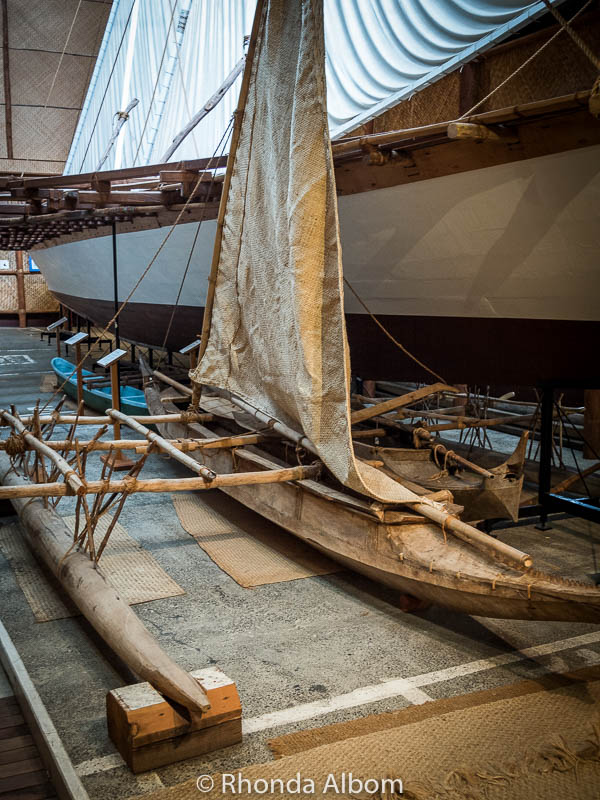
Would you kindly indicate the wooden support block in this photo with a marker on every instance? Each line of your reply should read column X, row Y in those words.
column 150, row 732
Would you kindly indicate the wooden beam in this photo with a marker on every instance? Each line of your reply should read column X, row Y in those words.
column 7, row 87
column 56, row 181
column 398, row 402
column 97, row 600
column 21, row 290
column 26, row 489
column 65, row 780
column 482, row 133
column 71, row 419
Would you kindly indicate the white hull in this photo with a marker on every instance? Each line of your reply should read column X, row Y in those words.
column 517, row 241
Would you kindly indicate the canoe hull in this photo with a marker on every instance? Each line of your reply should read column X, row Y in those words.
column 402, row 551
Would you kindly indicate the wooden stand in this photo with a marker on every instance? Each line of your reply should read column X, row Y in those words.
column 149, row 732
column 118, row 460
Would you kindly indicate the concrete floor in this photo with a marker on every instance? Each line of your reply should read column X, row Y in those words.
column 285, row 645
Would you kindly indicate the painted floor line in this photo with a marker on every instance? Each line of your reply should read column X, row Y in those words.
column 397, row 687
column 409, row 688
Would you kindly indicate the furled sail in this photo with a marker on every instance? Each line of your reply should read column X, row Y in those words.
column 277, row 331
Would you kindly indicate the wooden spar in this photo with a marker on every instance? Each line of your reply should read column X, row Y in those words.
column 171, row 382
column 573, row 479
column 100, row 604
column 122, row 117
column 67, row 471
column 67, row 419
column 398, row 402
column 469, row 422
column 235, row 136
column 481, row 133
column 149, row 485
column 368, row 433
column 141, row 445
column 211, row 103
column 481, row 541
column 163, row 444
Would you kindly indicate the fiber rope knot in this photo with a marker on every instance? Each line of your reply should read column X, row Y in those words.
column 15, row 444
column 130, row 483
column 190, row 415
column 420, row 436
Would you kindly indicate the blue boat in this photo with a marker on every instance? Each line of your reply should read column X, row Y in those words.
column 133, row 401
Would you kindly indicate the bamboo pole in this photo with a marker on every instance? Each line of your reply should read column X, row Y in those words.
column 141, row 445
column 399, row 402
column 102, row 606
column 171, row 382
column 67, row 471
column 162, row 444
column 154, row 485
column 68, row 419
column 481, row 541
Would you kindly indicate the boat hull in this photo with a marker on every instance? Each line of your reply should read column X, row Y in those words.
column 409, row 555
column 481, row 274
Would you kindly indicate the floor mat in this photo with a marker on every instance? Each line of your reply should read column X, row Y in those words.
column 133, row 571
column 252, row 550
column 533, row 746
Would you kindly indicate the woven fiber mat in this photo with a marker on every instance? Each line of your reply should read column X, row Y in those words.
column 132, row 571
column 533, row 746
column 252, row 550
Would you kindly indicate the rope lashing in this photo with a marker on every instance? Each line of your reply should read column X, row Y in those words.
column 15, row 445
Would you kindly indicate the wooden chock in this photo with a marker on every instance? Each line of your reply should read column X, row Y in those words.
column 149, row 732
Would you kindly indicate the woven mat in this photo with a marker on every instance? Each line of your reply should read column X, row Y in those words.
column 531, row 746
column 250, row 549
column 132, row 571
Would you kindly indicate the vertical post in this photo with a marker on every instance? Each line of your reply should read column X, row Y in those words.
column 115, row 283
column 21, row 289
column 116, row 399
column 545, row 472
column 79, row 375
column 116, row 300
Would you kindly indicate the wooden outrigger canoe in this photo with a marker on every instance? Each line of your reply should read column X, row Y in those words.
column 483, row 494
column 390, row 544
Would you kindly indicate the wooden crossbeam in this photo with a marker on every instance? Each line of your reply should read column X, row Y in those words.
column 154, row 485
column 398, row 402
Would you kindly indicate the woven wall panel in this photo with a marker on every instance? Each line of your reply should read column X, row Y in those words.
column 37, row 295
column 31, row 77
column 10, row 256
column 435, row 103
column 19, row 165
column 44, row 24
column 52, row 126
column 8, row 294
column 562, row 68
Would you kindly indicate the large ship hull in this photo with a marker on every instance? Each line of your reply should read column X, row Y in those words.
column 484, row 273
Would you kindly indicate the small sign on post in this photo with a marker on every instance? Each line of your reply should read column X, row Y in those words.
column 76, row 340
column 192, row 349
column 55, row 326
column 111, row 361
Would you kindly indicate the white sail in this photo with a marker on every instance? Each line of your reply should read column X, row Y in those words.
column 277, row 336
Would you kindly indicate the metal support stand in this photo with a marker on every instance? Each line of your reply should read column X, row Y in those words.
column 548, row 502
